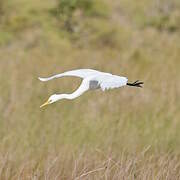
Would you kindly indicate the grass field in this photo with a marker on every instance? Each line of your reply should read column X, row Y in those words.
column 126, row 133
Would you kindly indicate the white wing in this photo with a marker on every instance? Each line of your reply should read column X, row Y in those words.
column 111, row 81
column 82, row 73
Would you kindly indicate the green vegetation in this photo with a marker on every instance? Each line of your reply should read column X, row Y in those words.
column 117, row 134
column 73, row 11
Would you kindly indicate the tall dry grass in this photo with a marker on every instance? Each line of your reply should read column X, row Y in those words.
column 93, row 165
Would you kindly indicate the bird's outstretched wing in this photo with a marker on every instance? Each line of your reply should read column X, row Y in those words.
column 82, row 73
column 111, row 81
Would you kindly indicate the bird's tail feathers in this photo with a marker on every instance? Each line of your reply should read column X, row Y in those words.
column 136, row 84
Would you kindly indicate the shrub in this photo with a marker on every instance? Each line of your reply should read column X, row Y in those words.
column 72, row 11
column 2, row 9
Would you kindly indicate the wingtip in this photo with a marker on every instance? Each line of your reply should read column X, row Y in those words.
column 41, row 79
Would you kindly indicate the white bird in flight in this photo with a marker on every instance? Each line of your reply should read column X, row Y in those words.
column 92, row 79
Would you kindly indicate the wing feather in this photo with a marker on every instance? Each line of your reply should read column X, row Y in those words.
column 111, row 81
column 82, row 73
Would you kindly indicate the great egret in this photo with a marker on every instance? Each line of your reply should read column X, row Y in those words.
column 92, row 79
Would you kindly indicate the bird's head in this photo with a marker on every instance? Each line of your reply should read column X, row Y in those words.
column 53, row 98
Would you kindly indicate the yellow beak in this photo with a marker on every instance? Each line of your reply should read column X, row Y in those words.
column 46, row 103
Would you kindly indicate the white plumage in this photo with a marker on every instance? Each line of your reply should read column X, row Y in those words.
column 82, row 73
column 92, row 79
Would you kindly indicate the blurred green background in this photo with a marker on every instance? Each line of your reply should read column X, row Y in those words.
column 137, row 39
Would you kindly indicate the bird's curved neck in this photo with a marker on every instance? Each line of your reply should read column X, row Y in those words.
column 82, row 88
column 67, row 96
column 62, row 96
